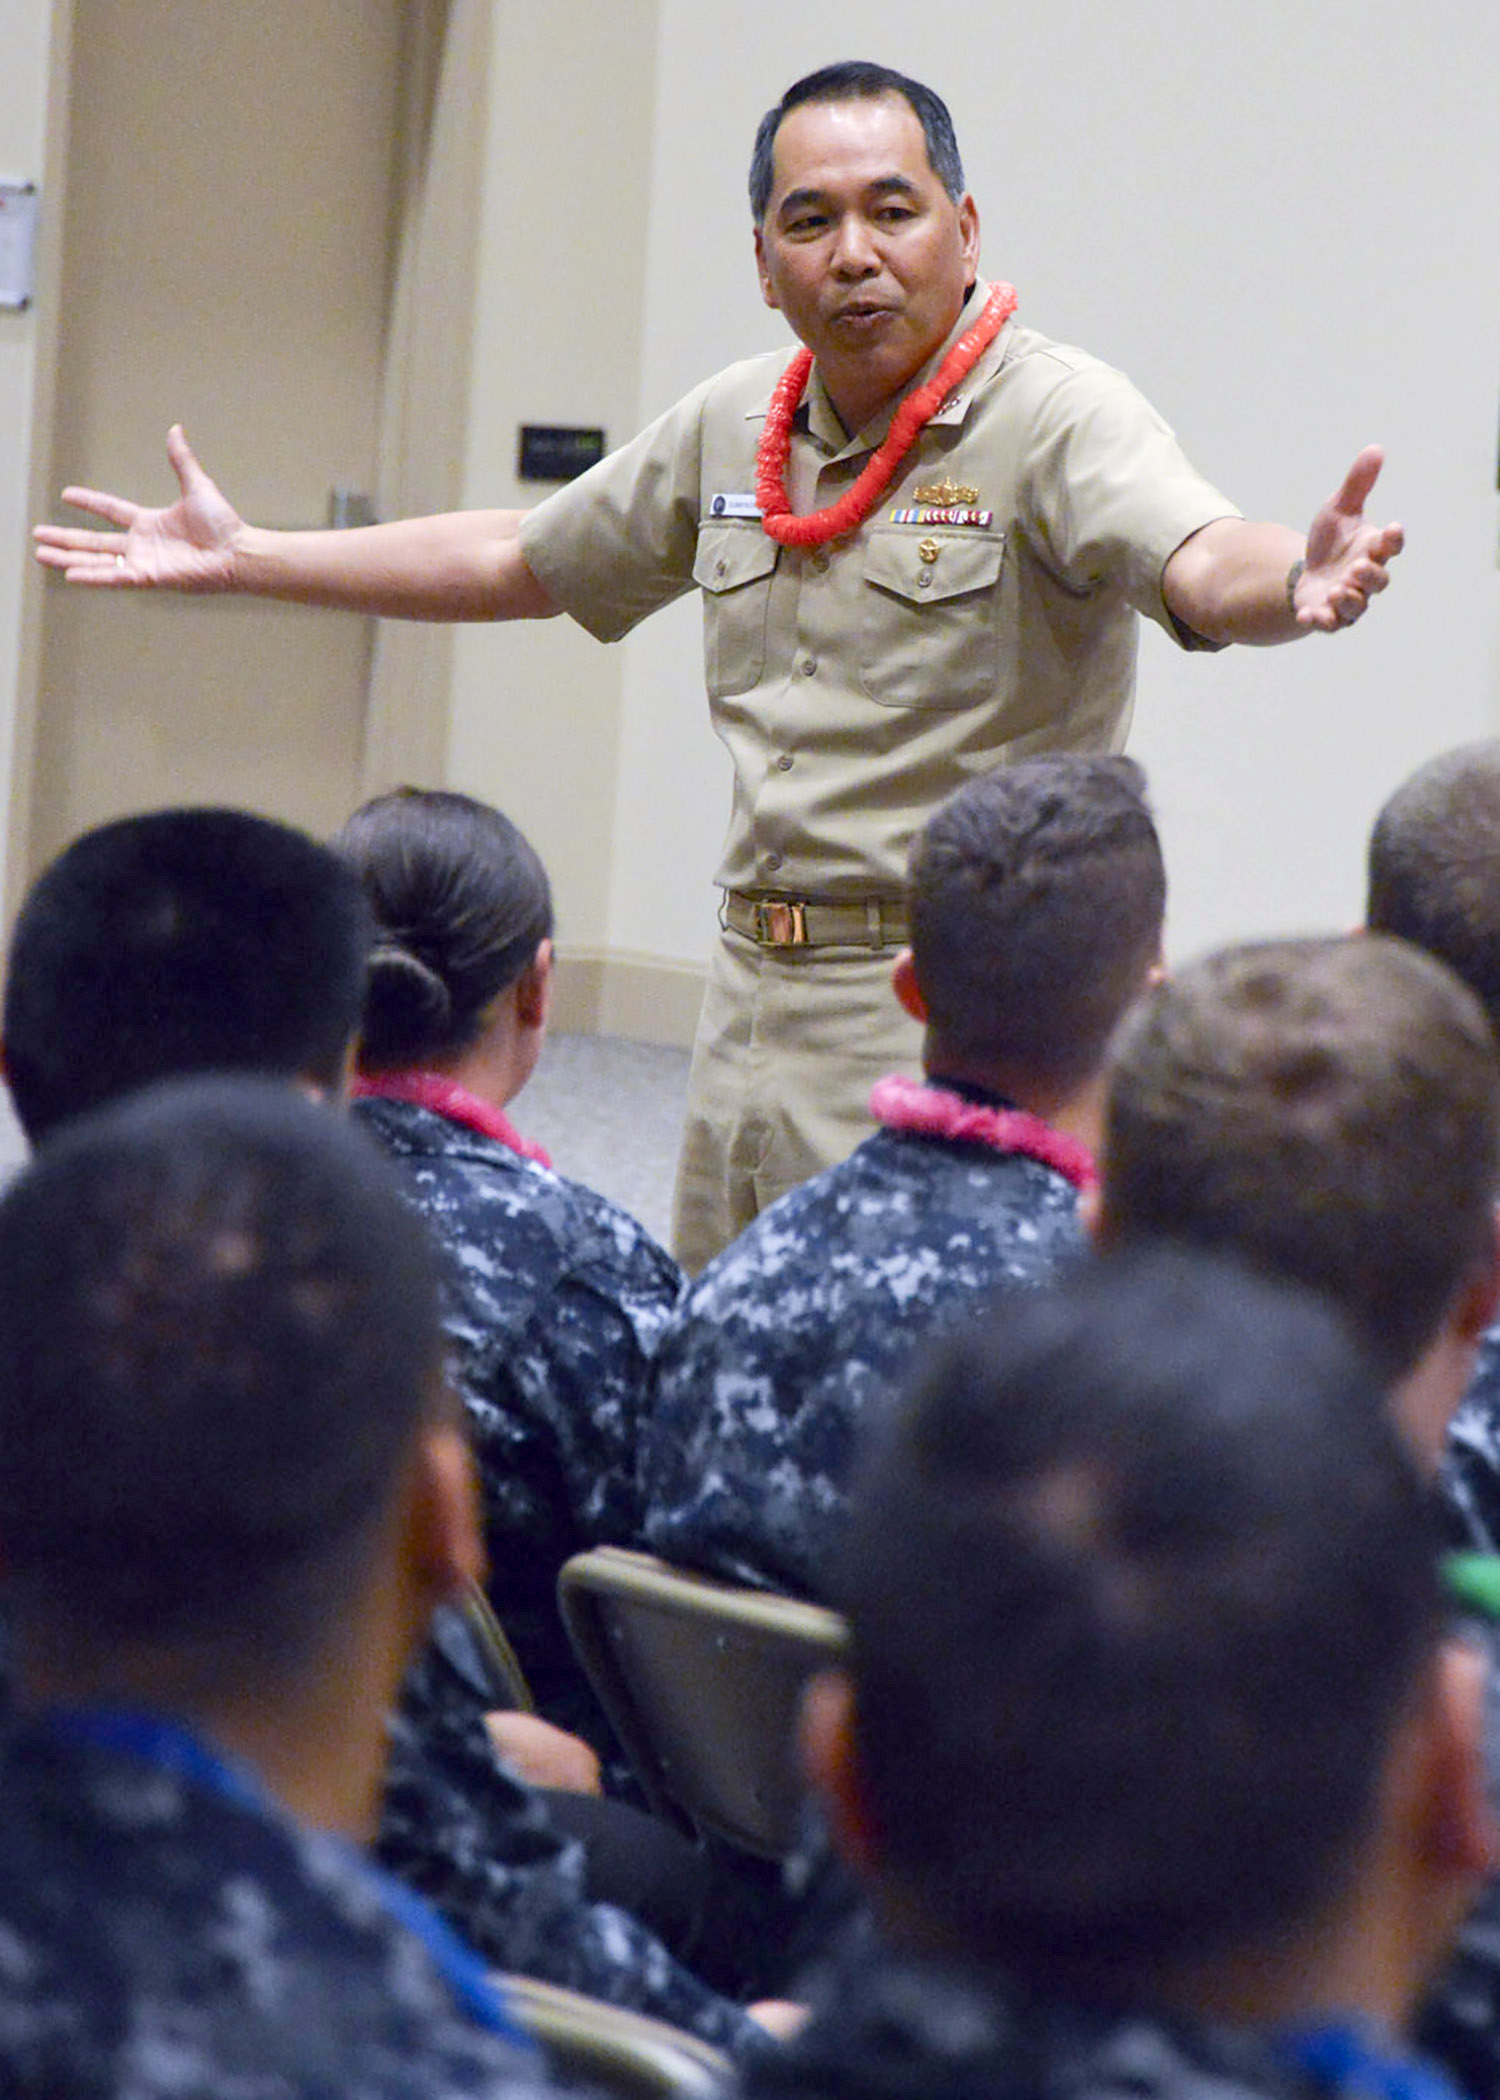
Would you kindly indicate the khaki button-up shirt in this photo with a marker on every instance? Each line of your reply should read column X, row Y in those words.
column 859, row 683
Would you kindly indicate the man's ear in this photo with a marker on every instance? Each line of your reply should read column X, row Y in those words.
column 1456, row 1833
column 1479, row 1298
column 444, row 1541
column 968, row 232
column 767, row 289
column 904, row 985
column 534, row 988
column 830, row 1759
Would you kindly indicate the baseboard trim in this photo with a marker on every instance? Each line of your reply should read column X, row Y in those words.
column 638, row 996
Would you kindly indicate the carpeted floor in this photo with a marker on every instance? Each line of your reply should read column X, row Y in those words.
column 610, row 1113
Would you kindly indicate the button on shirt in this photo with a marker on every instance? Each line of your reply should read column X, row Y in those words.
column 911, row 653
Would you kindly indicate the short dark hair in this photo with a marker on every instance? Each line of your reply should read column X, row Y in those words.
column 857, row 80
column 1136, row 1585
column 218, row 1335
column 1434, row 869
column 1036, row 896
column 183, row 940
column 461, row 904
column 1327, row 1109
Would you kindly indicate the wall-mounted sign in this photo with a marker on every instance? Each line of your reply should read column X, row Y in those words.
column 18, row 216
column 553, row 452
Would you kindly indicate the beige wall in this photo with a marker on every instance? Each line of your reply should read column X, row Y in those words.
column 34, row 38
column 1281, row 232
column 557, row 335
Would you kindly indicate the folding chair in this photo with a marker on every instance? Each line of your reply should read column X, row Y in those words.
column 619, row 2052
column 702, row 1682
column 493, row 1650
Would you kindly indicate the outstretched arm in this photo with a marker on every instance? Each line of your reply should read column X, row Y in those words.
column 1237, row 582
column 460, row 565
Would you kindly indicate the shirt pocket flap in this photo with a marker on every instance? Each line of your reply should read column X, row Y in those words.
column 732, row 555
column 964, row 562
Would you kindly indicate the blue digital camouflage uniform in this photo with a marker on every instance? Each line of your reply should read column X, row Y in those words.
column 459, row 1829
column 1461, row 2020
column 901, row 2029
column 1471, row 1472
column 554, row 1300
column 160, row 1936
column 807, row 1318
column 455, row 1825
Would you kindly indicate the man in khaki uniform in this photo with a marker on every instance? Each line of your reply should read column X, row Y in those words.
column 920, row 557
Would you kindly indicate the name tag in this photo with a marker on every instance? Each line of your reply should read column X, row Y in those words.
column 734, row 506
column 927, row 515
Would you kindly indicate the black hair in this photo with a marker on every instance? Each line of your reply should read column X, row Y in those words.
column 1036, row 894
column 854, row 80
column 461, row 904
column 218, row 1335
column 1137, row 1584
column 183, row 940
column 1434, row 867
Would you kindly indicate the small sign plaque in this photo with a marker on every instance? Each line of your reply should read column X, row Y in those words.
column 18, row 215
column 556, row 451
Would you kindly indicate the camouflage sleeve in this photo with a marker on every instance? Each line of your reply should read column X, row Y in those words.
column 555, row 1302
column 479, row 1845
column 586, row 1360
column 1471, row 1470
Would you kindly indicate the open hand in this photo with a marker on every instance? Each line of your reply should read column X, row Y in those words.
column 188, row 547
column 1347, row 558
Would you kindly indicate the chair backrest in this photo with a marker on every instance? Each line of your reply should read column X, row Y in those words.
column 702, row 1682
column 615, row 2051
column 494, row 1652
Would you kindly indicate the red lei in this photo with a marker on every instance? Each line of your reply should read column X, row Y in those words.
column 899, row 1103
column 445, row 1097
column 910, row 419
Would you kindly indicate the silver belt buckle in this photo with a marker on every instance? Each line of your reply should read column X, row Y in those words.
column 781, row 924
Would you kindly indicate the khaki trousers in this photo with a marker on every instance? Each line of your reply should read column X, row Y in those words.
column 789, row 1044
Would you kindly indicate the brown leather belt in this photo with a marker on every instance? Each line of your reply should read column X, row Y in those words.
column 801, row 922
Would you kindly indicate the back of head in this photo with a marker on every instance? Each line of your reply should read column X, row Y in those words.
column 1036, row 897
column 184, row 940
column 1434, row 874
column 1328, row 1110
column 461, row 904
column 1137, row 1584
column 217, row 1338
column 856, row 80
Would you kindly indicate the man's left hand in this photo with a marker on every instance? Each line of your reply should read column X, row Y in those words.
column 1347, row 558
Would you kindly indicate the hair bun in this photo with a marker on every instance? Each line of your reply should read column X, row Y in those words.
column 408, row 1011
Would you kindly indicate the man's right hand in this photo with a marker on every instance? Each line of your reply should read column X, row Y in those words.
column 455, row 565
column 188, row 547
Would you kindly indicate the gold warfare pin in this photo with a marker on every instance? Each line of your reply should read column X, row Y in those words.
column 948, row 495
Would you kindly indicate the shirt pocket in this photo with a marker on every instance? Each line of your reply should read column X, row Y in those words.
column 930, row 636
column 733, row 569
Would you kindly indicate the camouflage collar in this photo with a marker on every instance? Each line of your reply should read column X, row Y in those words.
column 446, row 1098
